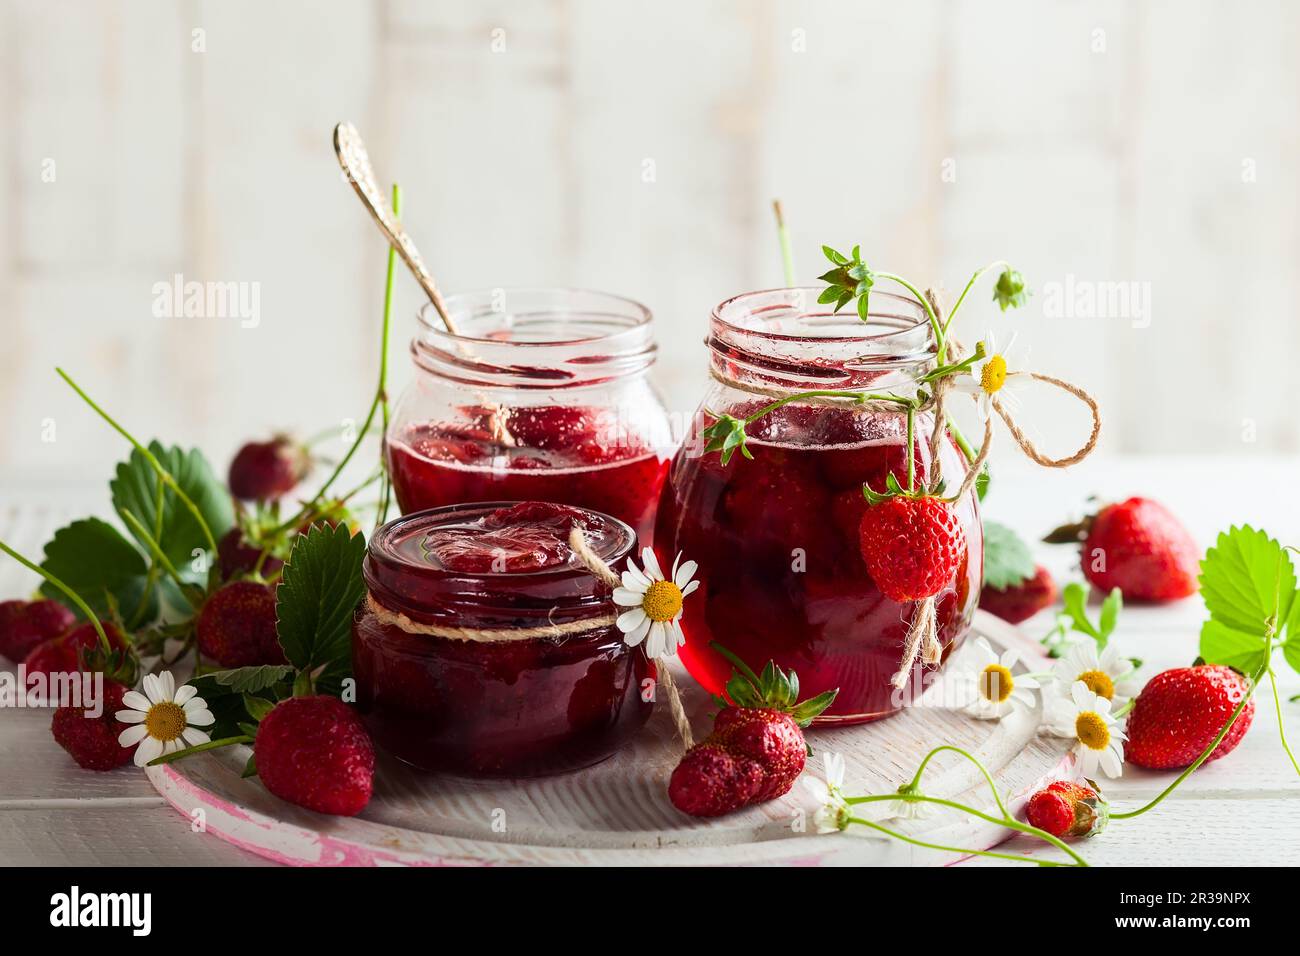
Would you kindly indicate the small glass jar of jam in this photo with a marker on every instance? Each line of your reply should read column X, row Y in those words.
column 484, row 647
column 777, row 536
column 543, row 396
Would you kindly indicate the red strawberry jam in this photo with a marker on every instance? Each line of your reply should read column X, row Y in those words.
column 777, row 537
column 485, row 648
column 566, row 454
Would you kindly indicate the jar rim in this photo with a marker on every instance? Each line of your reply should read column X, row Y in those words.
column 910, row 323
column 639, row 314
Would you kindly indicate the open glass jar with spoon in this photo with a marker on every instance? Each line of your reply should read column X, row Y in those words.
column 541, row 395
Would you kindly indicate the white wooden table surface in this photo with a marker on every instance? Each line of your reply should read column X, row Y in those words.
column 1239, row 810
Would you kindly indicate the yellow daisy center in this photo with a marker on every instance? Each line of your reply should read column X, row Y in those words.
column 1099, row 683
column 994, row 375
column 1091, row 730
column 996, row 683
column 165, row 721
column 662, row 601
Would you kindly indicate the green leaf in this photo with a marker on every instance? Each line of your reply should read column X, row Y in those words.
column 1110, row 608
column 1291, row 649
column 982, row 483
column 320, row 588
column 1075, row 600
column 257, row 707
column 863, row 312
column 250, row 768
column 1007, row 559
column 829, row 294
column 95, row 560
column 1247, row 582
column 135, row 489
column 1222, row 644
column 834, row 256
column 246, row 680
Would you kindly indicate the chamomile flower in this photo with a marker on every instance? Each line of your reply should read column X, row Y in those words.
column 828, row 790
column 1099, row 743
column 1107, row 674
column 996, row 375
column 655, row 604
column 985, row 685
column 165, row 719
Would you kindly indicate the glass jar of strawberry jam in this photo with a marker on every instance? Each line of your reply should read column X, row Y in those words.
column 777, row 536
column 543, row 396
column 485, row 648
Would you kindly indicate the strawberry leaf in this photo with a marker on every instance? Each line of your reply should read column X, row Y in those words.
column 135, row 489
column 1291, row 649
column 320, row 588
column 246, row 680
column 1248, row 585
column 95, row 560
column 1007, row 559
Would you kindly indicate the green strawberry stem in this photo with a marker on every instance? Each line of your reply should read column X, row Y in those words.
column 156, row 552
column 911, row 450
column 911, row 793
column 1015, row 857
column 969, row 285
column 380, row 400
column 1205, row 754
column 1006, row 820
column 163, row 474
column 940, row 330
column 386, row 491
column 72, row 595
column 1281, row 726
column 151, row 575
column 745, row 670
column 858, row 398
column 200, row 748
column 783, row 237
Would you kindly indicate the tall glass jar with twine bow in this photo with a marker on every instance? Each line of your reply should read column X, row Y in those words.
column 827, row 499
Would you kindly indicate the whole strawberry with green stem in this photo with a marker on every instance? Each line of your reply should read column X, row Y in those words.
column 756, row 749
column 911, row 541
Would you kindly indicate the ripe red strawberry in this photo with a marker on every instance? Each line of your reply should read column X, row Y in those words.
column 912, row 546
column 1180, row 712
column 236, row 555
column 92, row 741
column 1137, row 546
column 756, row 749
column 1064, row 808
column 65, row 653
column 236, row 626
column 315, row 752
column 1020, row 601
column 264, row 471
column 24, row 624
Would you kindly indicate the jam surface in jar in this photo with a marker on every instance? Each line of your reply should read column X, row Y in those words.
column 486, row 649
column 569, row 454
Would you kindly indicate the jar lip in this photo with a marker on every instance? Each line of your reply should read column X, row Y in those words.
column 912, row 321
column 470, row 305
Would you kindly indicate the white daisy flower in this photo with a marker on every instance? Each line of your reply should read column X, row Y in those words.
column 1098, row 740
column 985, row 685
column 165, row 719
column 1108, row 675
column 656, row 604
column 832, row 812
column 997, row 374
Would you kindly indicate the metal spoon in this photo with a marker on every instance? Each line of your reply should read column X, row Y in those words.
column 355, row 160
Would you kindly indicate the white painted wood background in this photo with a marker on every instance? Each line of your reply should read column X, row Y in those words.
column 1109, row 141
column 1243, row 809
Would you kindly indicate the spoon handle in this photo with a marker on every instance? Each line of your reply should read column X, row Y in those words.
column 355, row 160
